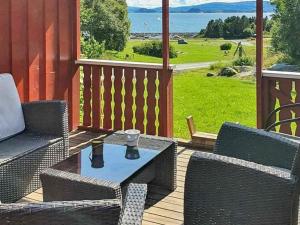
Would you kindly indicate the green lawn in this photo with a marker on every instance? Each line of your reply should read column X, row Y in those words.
column 212, row 101
column 197, row 50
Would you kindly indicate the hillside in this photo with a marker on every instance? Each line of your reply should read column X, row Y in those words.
column 249, row 6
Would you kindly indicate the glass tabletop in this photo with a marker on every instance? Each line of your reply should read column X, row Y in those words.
column 114, row 163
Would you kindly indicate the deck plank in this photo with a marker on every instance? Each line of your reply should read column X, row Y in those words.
column 162, row 207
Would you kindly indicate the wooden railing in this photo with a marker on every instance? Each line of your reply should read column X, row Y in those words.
column 124, row 95
column 278, row 89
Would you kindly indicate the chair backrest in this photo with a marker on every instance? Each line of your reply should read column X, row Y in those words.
column 256, row 145
column 101, row 212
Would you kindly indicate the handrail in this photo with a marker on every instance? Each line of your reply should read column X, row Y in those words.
column 281, row 74
column 125, row 64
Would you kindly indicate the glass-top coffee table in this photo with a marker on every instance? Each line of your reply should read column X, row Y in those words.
column 105, row 176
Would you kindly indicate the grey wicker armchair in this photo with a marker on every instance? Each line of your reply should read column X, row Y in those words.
column 86, row 212
column 43, row 143
column 251, row 179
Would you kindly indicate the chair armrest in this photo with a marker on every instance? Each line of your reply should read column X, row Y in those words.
column 238, row 191
column 46, row 117
column 133, row 206
column 76, row 187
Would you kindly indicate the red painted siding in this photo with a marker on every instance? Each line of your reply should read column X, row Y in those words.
column 39, row 45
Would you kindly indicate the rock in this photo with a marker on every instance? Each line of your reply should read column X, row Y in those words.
column 244, row 69
column 210, row 75
column 228, row 72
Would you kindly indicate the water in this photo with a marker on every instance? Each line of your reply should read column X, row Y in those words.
column 179, row 22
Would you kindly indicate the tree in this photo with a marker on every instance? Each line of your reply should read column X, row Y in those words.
column 106, row 21
column 286, row 28
column 214, row 29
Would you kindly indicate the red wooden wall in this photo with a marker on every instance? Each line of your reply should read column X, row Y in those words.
column 39, row 43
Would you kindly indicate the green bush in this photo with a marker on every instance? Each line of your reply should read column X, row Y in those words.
column 91, row 48
column 153, row 48
column 219, row 65
column 226, row 46
column 243, row 61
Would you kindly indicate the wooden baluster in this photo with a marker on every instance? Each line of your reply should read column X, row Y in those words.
column 268, row 100
column 128, row 99
column 165, row 104
column 87, row 96
column 151, row 102
column 297, row 110
column 285, row 87
column 118, row 98
column 272, row 99
column 107, row 123
column 140, row 101
column 96, row 96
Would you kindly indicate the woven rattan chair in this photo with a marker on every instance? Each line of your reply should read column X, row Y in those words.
column 43, row 143
column 252, row 178
column 87, row 212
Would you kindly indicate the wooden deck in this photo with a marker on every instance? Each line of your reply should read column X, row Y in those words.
column 161, row 207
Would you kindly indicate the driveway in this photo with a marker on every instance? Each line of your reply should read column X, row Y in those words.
column 190, row 66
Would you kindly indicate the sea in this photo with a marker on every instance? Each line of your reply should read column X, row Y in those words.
column 179, row 22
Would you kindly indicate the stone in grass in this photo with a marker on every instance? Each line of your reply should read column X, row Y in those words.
column 210, row 74
column 228, row 72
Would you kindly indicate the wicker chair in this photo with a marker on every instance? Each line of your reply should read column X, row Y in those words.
column 87, row 212
column 43, row 143
column 252, row 178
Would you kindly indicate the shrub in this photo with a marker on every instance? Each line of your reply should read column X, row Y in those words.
column 219, row 65
column 153, row 48
column 91, row 48
column 243, row 61
column 226, row 46
column 248, row 32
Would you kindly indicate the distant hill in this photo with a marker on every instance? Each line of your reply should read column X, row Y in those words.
column 249, row 6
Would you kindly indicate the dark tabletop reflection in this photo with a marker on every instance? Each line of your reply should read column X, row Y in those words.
column 116, row 164
column 132, row 153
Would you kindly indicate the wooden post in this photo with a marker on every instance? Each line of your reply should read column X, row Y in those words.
column 259, row 63
column 166, row 100
column 166, row 34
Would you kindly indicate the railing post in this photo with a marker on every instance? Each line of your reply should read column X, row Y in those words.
column 259, row 64
column 166, row 103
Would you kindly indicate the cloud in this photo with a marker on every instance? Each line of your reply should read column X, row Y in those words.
column 156, row 3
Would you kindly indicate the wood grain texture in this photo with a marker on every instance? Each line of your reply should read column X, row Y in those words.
column 151, row 102
column 140, row 100
column 118, row 71
column 39, row 45
column 87, row 96
column 285, row 87
column 96, row 96
column 107, row 122
column 128, row 99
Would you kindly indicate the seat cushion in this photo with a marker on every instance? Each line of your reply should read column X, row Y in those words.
column 24, row 143
column 11, row 114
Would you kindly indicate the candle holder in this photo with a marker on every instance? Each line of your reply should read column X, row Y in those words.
column 96, row 157
column 132, row 153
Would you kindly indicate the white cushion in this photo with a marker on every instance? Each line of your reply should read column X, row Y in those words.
column 11, row 113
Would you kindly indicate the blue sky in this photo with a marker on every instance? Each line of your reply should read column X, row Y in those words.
column 155, row 3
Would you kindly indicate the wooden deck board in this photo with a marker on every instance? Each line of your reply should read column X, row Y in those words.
column 162, row 207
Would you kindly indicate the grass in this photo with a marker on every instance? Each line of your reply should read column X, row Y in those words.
column 197, row 50
column 212, row 101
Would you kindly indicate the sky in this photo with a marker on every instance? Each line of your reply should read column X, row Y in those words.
column 157, row 3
